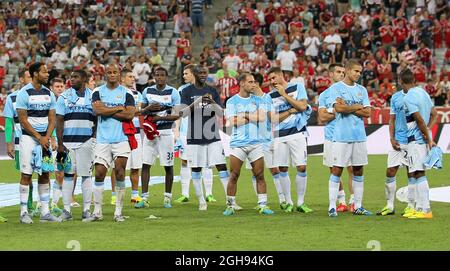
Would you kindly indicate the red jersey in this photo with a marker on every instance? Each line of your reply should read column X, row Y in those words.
column 348, row 20
column 185, row 43
column 400, row 34
column 258, row 40
column 322, row 83
column 386, row 34
column 298, row 25
column 419, row 73
column 225, row 85
column 430, row 89
column 424, row 54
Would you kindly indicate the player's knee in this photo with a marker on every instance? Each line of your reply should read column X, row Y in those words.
column 234, row 176
column 120, row 173
column 301, row 168
column 390, row 172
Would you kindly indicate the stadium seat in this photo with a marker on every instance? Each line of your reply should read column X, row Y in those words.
column 159, row 25
column 248, row 47
column 163, row 42
column 161, row 50
column 130, row 50
column 149, row 41
column 168, row 33
column 172, row 49
column 170, row 25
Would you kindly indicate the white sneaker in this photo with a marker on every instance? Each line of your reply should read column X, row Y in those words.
column 203, row 207
column 237, row 207
column 74, row 204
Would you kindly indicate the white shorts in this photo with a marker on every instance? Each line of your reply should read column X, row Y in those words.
column 135, row 160
column 106, row 154
column 162, row 147
column 26, row 146
column 268, row 159
column 82, row 159
column 327, row 153
column 295, row 150
column 351, row 153
column 208, row 155
column 398, row 158
column 183, row 148
column 417, row 153
column 253, row 153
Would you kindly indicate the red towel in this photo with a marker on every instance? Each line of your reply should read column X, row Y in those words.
column 150, row 129
column 129, row 130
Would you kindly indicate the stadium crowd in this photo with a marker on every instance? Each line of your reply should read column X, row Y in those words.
column 305, row 37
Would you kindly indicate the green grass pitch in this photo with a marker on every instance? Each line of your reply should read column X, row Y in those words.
column 185, row 228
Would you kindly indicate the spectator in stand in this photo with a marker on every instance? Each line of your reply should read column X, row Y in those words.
column 186, row 59
column 100, row 53
column 420, row 72
column 59, row 58
column 79, row 54
column 332, row 39
column 185, row 24
column 150, row 17
column 243, row 26
column 222, row 25
column 369, row 77
column 156, row 58
column 424, row 55
column 322, row 82
column 196, row 10
column 384, row 70
column 431, row 89
column 142, row 72
column 286, row 59
column 227, row 86
column 408, row 55
column 325, row 57
column 377, row 102
column 277, row 25
column 231, row 60
column 312, row 43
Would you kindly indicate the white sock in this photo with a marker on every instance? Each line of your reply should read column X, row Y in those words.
column 197, row 182
column 231, row 200
column 341, row 197
column 262, row 200
column 286, row 186
column 300, row 183
column 424, row 193
column 333, row 190
column 120, row 195
column 254, row 184
column 24, row 190
column 278, row 187
column 224, row 176
column 168, row 195
column 411, row 192
column 57, row 192
column 358, row 188
column 44, row 197
column 207, row 176
column 352, row 199
column 86, row 189
column 67, row 189
column 390, row 189
column 98, row 197
column 185, row 173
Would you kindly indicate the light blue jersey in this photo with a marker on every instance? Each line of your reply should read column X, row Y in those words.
column 397, row 109
column 78, row 116
column 247, row 134
column 109, row 130
column 137, row 96
column 417, row 100
column 184, row 121
column 265, row 128
column 326, row 102
column 11, row 112
column 349, row 127
column 296, row 123
column 38, row 104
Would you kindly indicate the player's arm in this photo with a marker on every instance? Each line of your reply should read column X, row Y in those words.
column 433, row 118
column 277, row 118
column 23, row 119
column 60, row 132
column 300, row 105
column 237, row 121
column 9, row 137
column 128, row 113
column 100, row 109
column 394, row 142
column 258, row 116
column 363, row 113
column 326, row 116
column 423, row 129
column 341, row 107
